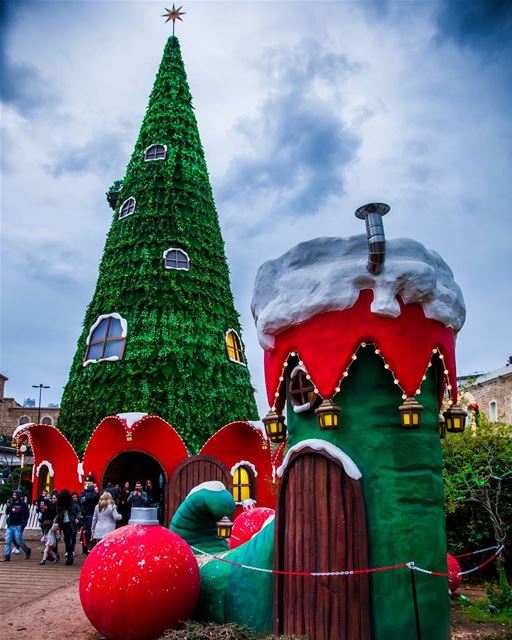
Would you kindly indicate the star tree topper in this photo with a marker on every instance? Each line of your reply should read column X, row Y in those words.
column 173, row 14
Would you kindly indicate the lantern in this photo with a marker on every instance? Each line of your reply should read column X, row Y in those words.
column 328, row 415
column 14, row 444
column 264, row 444
column 224, row 527
column 455, row 418
column 89, row 478
column 410, row 412
column 275, row 427
column 129, row 436
column 442, row 426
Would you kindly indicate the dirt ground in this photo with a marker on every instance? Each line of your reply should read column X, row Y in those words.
column 59, row 615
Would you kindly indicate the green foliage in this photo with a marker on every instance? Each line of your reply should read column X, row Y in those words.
column 175, row 364
column 13, row 481
column 500, row 595
column 478, row 484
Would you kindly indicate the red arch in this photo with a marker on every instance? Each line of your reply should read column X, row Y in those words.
column 150, row 434
column 239, row 441
column 48, row 444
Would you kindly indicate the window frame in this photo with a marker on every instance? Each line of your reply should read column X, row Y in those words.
column 182, row 251
column 238, row 486
column 121, row 216
column 106, row 340
column 151, row 146
column 47, row 418
column 493, row 411
column 309, row 386
column 26, row 419
column 237, row 347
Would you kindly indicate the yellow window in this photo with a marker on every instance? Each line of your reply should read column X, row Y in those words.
column 234, row 347
column 242, row 484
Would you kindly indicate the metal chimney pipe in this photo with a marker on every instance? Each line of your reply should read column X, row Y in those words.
column 372, row 215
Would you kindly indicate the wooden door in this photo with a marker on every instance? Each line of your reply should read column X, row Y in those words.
column 189, row 474
column 321, row 526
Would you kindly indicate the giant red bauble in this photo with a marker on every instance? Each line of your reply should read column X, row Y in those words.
column 138, row 581
column 247, row 524
column 454, row 568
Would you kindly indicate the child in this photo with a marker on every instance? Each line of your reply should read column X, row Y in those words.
column 49, row 539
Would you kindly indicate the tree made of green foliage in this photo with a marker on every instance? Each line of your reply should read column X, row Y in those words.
column 175, row 363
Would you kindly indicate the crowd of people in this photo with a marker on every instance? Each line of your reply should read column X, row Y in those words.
column 66, row 516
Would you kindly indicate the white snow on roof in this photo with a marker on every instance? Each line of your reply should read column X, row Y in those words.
column 322, row 445
column 213, row 485
column 327, row 274
column 131, row 417
column 259, row 426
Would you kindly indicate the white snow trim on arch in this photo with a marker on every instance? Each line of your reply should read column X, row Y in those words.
column 212, row 485
column 244, row 463
column 131, row 417
column 80, row 471
column 21, row 427
column 99, row 319
column 258, row 426
column 42, row 464
column 327, row 447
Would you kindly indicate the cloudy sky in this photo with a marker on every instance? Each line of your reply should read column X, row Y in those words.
column 306, row 111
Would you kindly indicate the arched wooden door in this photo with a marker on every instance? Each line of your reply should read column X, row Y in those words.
column 189, row 474
column 321, row 526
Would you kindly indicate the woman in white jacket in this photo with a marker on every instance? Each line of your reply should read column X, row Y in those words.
column 105, row 517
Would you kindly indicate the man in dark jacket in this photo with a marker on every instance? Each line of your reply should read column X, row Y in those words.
column 17, row 518
column 88, row 500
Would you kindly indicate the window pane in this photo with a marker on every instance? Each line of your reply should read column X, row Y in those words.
column 100, row 332
column 46, row 420
column 115, row 330
column 95, row 351
column 114, row 348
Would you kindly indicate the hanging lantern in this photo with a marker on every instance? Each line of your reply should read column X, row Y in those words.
column 442, row 426
column 14, row 444
column 328, row 415
column 275, row 427
column 410, row 412
column 89, row 478
column 224, row 527
column 129, row 436
column 264, row 444
column 455, row 418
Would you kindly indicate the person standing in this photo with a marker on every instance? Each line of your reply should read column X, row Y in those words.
column 105, row 517
column 88, row 500
column 69, row 518
column 17, row 518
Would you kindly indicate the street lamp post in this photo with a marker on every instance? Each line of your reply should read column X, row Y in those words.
column 40, row 387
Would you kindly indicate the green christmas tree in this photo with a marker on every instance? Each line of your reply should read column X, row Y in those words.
column 174, row 343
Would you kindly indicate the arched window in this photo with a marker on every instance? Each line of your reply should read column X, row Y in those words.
column 176, row 259
column 234, row 347
column 493, row 411
column 47, row 420
column 301, row 391
column 107, row 339
column 155, row 152
column 24, row 420
column 127, row 208
column 243, row 482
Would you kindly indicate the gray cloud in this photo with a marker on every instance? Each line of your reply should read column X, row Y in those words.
column 23, row 87
column 104, row 154
column 482, row 24
column 298, row 144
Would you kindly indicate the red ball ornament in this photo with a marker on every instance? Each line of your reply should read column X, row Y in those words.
column 139, row 581
column 454, row 568
column 247, row 524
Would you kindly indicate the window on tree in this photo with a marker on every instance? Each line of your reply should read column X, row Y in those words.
column 176, row 259
column 155, row 152
column 301, row 391
column 47, row 420
column 493, row 411
column 243, row 484
column 107, row 339
column 24, row 420
column 127, row 208
column 234, row 347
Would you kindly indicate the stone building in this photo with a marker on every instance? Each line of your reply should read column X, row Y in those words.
column 12, row 413
column 492, row 392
